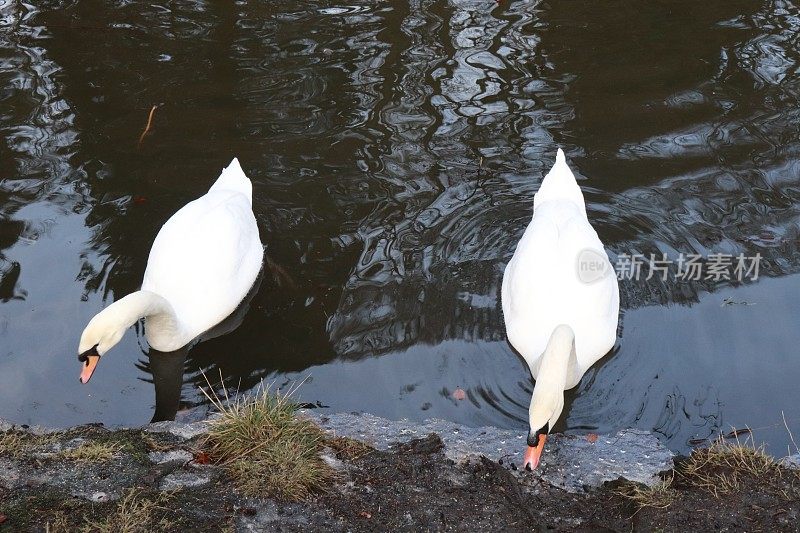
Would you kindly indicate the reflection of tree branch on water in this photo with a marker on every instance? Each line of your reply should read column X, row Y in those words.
column 420, row 234
column 8, row 282
column 432, row 259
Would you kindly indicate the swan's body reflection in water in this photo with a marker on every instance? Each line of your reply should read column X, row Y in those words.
column 168, row 368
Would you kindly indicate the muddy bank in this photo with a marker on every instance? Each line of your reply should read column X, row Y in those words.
column 433, row 476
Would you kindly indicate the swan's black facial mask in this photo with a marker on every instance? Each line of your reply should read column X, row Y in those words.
column 84, row 357
column 533, row 438
column 89, row 358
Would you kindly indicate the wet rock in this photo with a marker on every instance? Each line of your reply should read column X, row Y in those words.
column 183, row 430
column 182, row 480
column 792, row 461
column 83, row 479
column 170, row 457
column 100, row 497
column 88, row 480
column 6, row 425
column 430, row 444
column 39, row 430
column 629, row 454
column 53, row 449
column 570, row 462
column 329, row 456
column 269, row 515
column 10, row 475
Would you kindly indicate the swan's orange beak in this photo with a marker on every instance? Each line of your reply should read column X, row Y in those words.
column 88, row 368
column 533, row 453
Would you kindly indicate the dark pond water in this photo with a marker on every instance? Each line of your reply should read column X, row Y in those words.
column 395, row 148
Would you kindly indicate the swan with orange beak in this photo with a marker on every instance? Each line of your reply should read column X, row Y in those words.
column 202, row 264
column 560, row 300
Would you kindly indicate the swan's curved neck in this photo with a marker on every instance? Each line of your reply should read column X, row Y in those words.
column 160, row 319
column 558, row 366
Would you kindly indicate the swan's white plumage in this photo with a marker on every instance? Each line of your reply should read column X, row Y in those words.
column 202, row 264
column 205, row 258
column 541, row 288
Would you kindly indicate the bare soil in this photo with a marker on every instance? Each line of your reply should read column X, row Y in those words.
column 415, row 488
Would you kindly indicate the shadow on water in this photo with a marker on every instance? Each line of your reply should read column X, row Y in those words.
column 395, row 149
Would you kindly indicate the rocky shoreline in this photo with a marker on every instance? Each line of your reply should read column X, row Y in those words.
column 570, row 462
column 434, row 475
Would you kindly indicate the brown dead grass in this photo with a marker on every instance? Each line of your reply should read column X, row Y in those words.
column 21, row 445
column 658, row 496
column 57, row 524
column 92, row 452
column 347, row 448
column 266, row 449
column 135, row 513
column 727, row 467
column 154, row 445
column 18, row 444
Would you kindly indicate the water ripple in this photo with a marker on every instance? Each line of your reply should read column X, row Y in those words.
column 395, row 149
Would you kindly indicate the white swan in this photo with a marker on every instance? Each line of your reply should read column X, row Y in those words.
column 560, row 300
column 202, row 264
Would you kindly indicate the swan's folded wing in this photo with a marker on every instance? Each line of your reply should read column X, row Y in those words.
column 542, row 287
column 205, row 258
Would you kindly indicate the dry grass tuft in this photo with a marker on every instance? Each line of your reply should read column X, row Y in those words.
column 348, row 448
column 659, row 496
column 135, row 513
column 13, row 445
column 18, row 445
column 724, row 467
column 154, row 445
column 92, row 452
column 266, row 448
column 57, row 524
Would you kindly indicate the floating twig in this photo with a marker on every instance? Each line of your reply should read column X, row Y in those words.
column 736, row 432
column 279, row 274
column 728, row 300
column 791, row 437
column 149, row 123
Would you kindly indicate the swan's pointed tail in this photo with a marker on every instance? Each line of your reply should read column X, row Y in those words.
column 233, row 178
column 560, row 184
column 560, row 158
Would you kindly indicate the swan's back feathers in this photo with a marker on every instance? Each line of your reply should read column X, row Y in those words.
column 541, row 284
column 560, row 184
column 205, row 258
column 233, row 178
column 207, row 255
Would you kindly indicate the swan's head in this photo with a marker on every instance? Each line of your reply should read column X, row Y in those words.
column 547, row 400
column 545, row 410
column 102, row 334
column 533, row 453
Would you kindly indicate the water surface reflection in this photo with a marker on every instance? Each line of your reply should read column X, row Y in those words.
column 395, row 149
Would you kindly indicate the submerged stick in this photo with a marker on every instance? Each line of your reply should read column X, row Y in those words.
column 147, row 127
column 791, row 437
